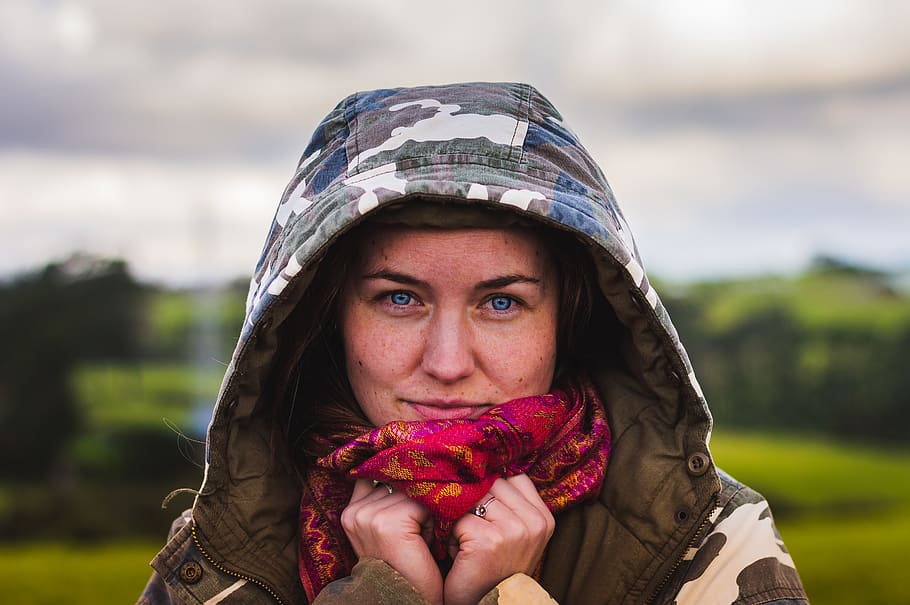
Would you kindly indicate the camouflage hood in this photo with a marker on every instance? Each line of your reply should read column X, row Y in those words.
column 501, row 145
column 498, row 144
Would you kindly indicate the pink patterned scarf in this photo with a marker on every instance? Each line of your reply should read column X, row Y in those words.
column 561, row 440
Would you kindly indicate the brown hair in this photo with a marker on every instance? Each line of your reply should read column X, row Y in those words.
column 317, row 402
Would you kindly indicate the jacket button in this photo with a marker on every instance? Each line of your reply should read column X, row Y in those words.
column 698, row 464
column 191, row 572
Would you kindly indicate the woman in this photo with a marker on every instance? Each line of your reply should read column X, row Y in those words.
column 455, row 384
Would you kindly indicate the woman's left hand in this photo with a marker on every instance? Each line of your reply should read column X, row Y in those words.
column 509, row 539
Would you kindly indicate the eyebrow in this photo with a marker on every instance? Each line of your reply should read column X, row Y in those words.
column 497, row 282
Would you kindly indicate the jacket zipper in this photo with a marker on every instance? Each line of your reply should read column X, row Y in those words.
column 689, row 546
column 223, row 569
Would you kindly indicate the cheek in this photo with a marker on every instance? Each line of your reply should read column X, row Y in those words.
column 376, row 365
column 540, row 360
column 375, row 351
column 525, row 365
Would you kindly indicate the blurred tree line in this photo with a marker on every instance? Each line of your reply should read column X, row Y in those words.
column 824, row 352
column 64, row 472
column 73, row 312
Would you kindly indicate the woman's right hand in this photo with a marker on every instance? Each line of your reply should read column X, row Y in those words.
column 395, row 529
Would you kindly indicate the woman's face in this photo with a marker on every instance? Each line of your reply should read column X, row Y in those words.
column 441, row 324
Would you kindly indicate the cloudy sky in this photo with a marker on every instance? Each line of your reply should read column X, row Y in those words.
column 739, row 136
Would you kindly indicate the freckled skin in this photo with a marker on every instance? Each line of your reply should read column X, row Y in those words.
column 426, row 332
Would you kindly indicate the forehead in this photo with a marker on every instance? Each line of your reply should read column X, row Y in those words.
column 504, row 246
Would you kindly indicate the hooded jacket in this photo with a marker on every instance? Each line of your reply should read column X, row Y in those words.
column 667, row 527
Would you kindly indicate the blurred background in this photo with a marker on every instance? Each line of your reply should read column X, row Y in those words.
column 758, row 150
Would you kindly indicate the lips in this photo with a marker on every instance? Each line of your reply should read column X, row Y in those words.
column 450, row 410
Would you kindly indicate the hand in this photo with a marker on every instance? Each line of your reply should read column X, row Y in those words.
column 395, row 529
column 511, row 538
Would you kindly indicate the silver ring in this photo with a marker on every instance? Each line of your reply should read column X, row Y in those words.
column 481, row 509
column 385, row 485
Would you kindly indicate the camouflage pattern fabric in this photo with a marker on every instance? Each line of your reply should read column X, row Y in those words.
column 740, row 552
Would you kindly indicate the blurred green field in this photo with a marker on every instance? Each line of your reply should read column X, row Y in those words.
column 812, row 476
column 843, row 510
column 45, row 573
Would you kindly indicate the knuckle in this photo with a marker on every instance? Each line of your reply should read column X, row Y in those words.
column 541, row 525
column 356, row 518
column 549, row 521
column 536, row 520
column 498, row 541
column 551, row 529
column 517, row 532
column 348, row 519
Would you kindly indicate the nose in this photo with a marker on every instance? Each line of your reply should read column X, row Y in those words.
column 448, row 354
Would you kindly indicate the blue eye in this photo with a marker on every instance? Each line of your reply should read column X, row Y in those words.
column 501, row 303
column 400, row 298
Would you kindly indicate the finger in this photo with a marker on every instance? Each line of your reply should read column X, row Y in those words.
column 366, row 492
column 527, row 488
column 507, row 494
column 470, row 525
column 484, row 505
column 375, row 522
column 499, row 497
column 517, row 501
column 524, row 485
column 369, row 500
column 489, row 509
column 362, row 488
column 518, row 493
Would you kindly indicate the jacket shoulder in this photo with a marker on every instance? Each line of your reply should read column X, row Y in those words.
column 741, row 559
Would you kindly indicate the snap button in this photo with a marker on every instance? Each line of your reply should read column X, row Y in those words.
column 682, row 515
column 191, row 572
column 698, row 464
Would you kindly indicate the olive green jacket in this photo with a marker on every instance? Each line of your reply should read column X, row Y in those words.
column 667, row 527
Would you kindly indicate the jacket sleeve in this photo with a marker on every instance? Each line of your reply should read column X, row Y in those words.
column 518, row 589
column 742, row 557
column 375, row 582
column 371, row 581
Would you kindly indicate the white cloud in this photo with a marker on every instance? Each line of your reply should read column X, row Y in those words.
column 643, row 49
column 174, row 222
